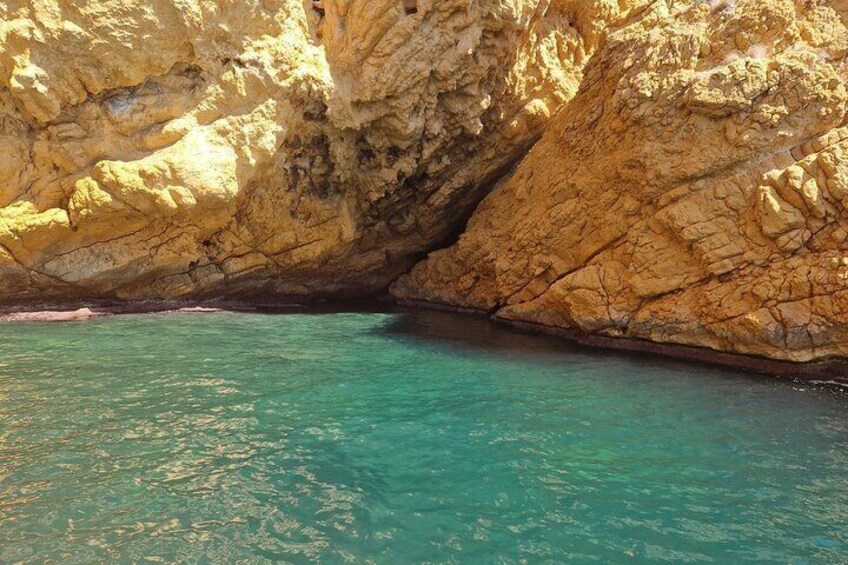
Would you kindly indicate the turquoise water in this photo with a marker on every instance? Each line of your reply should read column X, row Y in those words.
column 400, row 438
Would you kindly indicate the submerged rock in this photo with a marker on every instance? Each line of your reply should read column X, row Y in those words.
column 77, row 315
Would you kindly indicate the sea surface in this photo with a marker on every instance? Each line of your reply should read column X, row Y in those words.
column 401, row 437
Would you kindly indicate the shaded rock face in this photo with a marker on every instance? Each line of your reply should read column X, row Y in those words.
column 191, row 148
column 694, row 191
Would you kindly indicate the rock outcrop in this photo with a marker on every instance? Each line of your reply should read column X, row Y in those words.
column 192, row 148
column 687, row 182
column 695, row 191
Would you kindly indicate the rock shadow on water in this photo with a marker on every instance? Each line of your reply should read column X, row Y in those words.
column 480, row 333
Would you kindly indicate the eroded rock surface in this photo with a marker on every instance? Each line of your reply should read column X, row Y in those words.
column 691, row 187
column 189, row 148
column 695, row 191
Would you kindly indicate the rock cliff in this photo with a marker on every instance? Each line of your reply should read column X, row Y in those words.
column 693, row 192
column 687, row 182
column 190, row 148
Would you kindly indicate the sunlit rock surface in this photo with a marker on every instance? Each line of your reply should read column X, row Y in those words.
column 687, row 182
column 693, row 192
column 186, row 148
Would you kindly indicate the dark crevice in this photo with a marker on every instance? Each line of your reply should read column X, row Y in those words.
column 467, row 209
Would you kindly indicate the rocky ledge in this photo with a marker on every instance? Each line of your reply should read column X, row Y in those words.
column 661, row 171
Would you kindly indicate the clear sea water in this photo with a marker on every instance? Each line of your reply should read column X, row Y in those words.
column 400, row 438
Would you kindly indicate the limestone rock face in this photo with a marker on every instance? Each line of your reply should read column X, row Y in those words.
column 694, row 191
column 690, row 188
column 189, row 148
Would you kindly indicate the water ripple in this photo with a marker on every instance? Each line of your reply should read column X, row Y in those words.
column 388, row 437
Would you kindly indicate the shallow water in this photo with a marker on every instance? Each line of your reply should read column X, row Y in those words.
column 400, row 437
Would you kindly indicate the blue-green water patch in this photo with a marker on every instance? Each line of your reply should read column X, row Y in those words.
column 400, row 437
